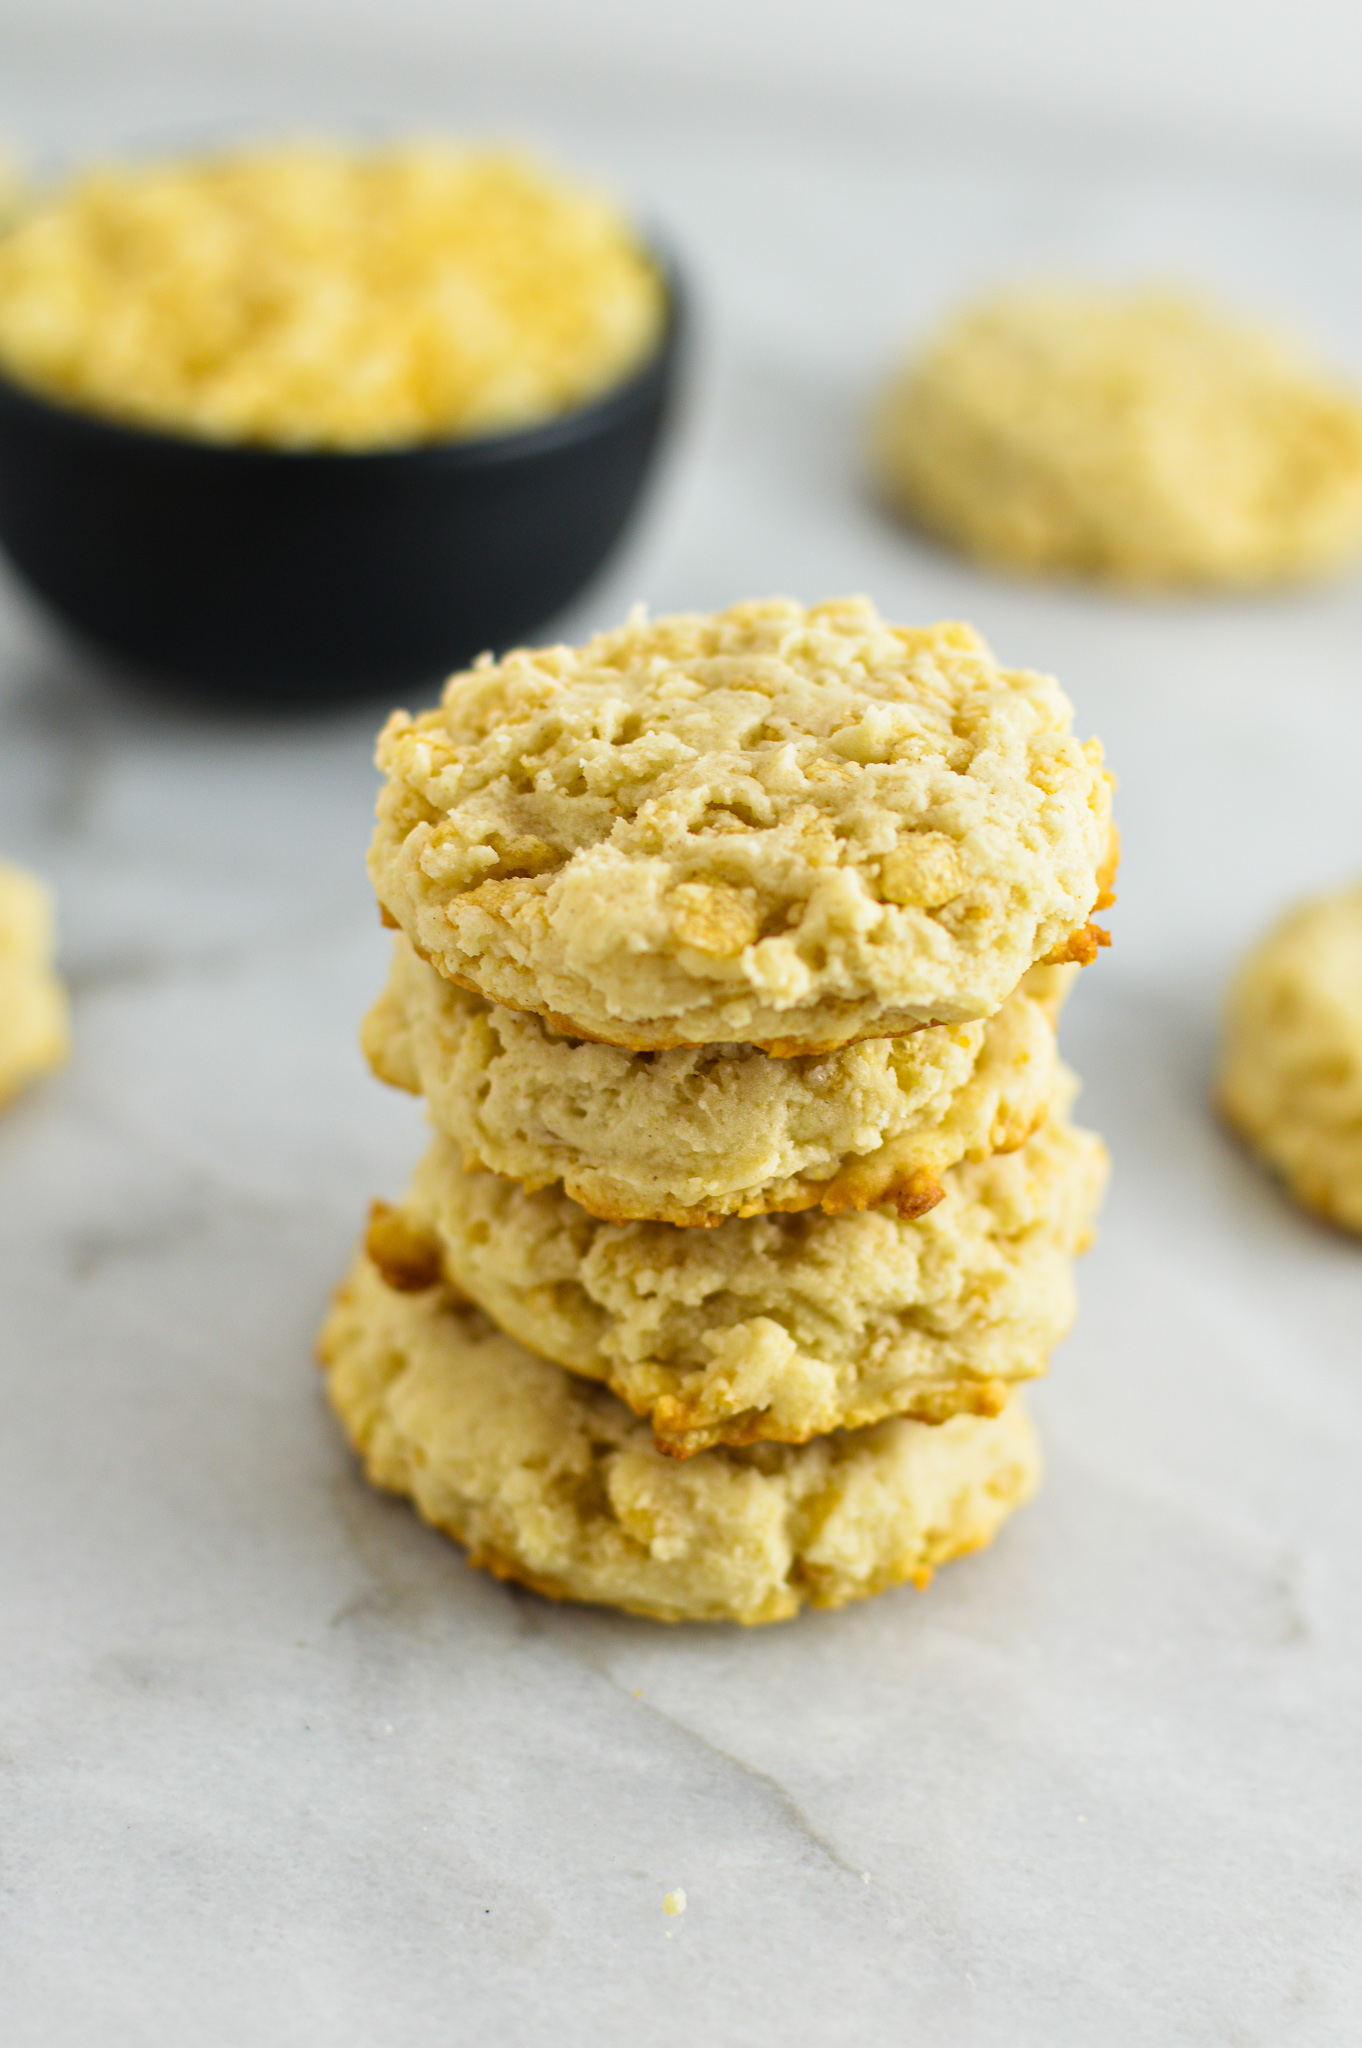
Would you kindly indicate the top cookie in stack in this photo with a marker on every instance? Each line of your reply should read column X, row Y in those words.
column 773, row 826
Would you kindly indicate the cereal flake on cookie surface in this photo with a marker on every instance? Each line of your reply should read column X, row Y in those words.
column 781, row 1327
column 776, row 826
column 33, row 1017
column 1136, row 437
column 1291, row 1077
column 702, row 1132
column 551, row 1481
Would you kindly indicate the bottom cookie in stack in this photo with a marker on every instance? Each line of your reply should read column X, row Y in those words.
column 550, row 1479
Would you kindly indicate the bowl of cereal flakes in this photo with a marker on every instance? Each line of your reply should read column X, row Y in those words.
column 304, row 421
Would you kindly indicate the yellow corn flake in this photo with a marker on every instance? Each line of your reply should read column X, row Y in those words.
column 307, row 296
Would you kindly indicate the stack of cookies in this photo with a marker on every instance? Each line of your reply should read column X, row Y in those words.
column 728, row 960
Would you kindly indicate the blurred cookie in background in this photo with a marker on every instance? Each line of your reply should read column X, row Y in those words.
column 33, row 1023
column 1135, row 437
column 703, row 1132
column 1291, row 1080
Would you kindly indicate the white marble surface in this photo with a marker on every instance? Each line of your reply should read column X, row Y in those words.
column 275, row 1767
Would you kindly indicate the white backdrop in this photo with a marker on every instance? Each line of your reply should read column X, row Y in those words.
column 1261, row 71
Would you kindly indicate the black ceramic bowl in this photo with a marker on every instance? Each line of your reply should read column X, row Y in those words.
column 274, row 573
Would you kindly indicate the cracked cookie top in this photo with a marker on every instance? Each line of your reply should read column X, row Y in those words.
column 774, row 825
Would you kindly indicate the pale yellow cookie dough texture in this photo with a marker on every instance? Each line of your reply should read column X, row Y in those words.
column 548, row 1479
column 774, row 826
column 780, row 1326
column 312, row 296
column 33, row 1017
column 1136, row 437
column 728, row 960
column 702, row 1132
column 1291, row 1078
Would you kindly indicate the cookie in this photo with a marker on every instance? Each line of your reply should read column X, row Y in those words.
column 33, row 1022
column 1133, row 437
column 769, row 826
column 1291, row 1078
column 550, row 1480
column 775, row 1327
column 699, row 1133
